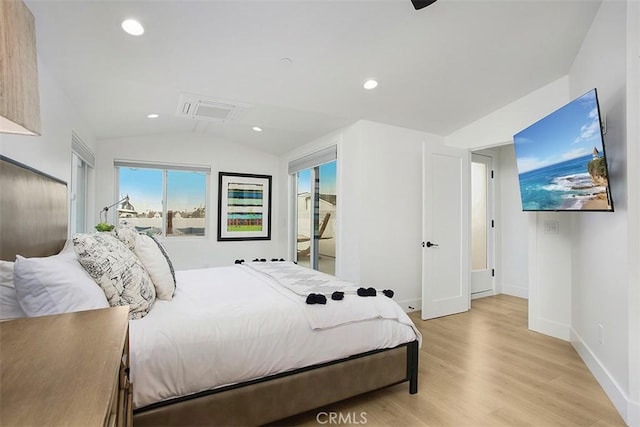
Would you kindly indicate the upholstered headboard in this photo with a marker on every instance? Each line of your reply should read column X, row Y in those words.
column 33, row 211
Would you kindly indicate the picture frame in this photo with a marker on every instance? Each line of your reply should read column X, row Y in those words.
column 244, row 207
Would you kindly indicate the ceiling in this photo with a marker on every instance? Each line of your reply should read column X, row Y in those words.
column 438, row 68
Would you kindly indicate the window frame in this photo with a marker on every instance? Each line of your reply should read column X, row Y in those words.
column 86, row 157
column 165, row 168
column 79, row 189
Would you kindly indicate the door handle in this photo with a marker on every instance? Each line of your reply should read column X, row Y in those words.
column 429, row 244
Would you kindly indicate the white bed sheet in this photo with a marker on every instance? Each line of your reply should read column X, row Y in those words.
column 226, row 325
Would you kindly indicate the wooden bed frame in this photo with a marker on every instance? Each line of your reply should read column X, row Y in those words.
column 279, row 396
column 33, row 222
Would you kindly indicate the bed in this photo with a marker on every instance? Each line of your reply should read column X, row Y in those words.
column 236, row 345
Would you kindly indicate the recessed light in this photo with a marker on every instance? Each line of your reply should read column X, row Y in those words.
column 152, row 116
column 257, row 128
column 132, row 27
column 370, row 84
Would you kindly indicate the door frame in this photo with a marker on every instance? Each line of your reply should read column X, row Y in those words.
column 491, row 226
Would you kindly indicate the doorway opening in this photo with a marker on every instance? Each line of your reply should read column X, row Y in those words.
column 314, row 179
column 482, row 226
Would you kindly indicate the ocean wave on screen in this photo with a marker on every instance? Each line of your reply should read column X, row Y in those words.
column 575, row 182
column 577, row 201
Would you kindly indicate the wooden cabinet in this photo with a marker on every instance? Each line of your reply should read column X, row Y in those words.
column 67, row 369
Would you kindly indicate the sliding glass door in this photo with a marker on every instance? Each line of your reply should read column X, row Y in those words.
column 315, row 213
column 304, row 218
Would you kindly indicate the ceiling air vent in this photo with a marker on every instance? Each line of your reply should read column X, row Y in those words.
column 200, row 108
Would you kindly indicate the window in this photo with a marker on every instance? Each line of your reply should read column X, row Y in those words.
column 79, row 175
column 166, row 200
column 82, row 163
column 315, row 205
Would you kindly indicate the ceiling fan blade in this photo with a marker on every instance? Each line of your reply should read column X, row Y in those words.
column 419, row 4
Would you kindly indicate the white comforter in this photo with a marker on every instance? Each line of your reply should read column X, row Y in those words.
column 231, row 324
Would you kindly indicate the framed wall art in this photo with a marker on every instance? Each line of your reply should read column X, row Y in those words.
column 244, row 207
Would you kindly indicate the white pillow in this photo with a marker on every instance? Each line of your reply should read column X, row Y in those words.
column 9, row 305
column 117, row 270
column 158, row 265
column 54, row 285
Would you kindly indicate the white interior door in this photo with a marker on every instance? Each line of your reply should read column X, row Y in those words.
column 445, row 252
column 482, row 278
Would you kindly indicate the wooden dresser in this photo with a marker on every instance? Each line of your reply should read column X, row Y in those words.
column 69, row 369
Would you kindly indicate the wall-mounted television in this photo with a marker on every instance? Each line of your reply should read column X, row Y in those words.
column 561, row 160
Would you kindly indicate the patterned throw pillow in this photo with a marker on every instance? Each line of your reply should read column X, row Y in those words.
column 127, row 235
column 117, row 270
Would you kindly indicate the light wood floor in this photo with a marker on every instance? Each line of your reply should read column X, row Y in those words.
column 484, row 368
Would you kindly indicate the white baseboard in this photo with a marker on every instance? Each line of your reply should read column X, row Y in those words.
column 633, row 414
column 516, row 291
column 628, row 410
column 549, row 327
column 484, row 294
column 411, row 305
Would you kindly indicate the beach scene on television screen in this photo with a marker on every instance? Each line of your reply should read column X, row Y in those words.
column 560, row 159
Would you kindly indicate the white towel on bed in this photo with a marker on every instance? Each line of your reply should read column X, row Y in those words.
column 298, row 282
column 301, row 280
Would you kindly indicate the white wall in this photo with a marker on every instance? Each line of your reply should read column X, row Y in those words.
column 51, row 151
column 196, row 149
column 600, row 257
column 513, row 225
column 550, row 274
column 379, row 210
column 633, row 208
column 499, row 127
column 390, row 213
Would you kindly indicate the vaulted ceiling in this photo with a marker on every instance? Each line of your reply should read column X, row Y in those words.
column 438, row 68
